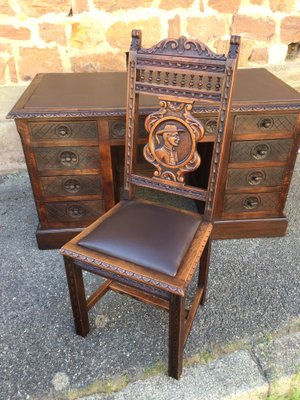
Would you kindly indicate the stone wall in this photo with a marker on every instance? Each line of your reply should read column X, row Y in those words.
column 92, row 35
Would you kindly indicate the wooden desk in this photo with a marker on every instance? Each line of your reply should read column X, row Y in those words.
column 72, row 129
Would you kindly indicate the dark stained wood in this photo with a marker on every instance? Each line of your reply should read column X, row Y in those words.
column 176, row 336
column 77, row 296
column 70, row 112
column 203, row 270
column 54, row 237
column 172, row 149
column 250, row 228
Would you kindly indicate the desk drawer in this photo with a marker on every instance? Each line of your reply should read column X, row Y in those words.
column 74, row 211
column 260, row 150
column 244, row 124
column 80, row 130
column 248, row 203
column 117, row 129
column 71, row 185
column 254, row 177
column 67, row 158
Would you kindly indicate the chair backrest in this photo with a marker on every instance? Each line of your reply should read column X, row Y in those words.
column 179, row 72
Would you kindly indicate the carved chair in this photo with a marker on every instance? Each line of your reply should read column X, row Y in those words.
column 147, row 250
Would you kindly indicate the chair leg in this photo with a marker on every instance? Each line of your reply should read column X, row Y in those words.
column 203, row 269
column 176, row 335
column 77, row 297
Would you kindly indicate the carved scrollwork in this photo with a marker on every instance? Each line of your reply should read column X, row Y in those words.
column 173, row 136
column 182, row 46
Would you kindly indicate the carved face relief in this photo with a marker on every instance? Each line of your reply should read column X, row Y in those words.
column 168, row 143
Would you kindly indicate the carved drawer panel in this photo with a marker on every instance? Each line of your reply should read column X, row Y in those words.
column 264, row 123
column 65, row 158
column 40, row 131
column 74, row 211
column 253, row 177
column 73, row 185
column 117, row 129
column 260, row 150
column 241, row 203
column 209, row 124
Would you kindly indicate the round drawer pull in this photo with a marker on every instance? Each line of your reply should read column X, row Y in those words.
column 251, row 202
column 72, row 185
column 260, row 151
column 256, row 177
column 63, row 131
column 68, row 158
column 118, row 130
column 211, row 126
column 75, row 211
column 265, row 123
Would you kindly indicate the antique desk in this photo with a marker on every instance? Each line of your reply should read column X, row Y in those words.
column 72, row 130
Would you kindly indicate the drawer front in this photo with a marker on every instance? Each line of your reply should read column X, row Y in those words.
column 209, row 125
column 74, row 211
column 73, row 185
column 245, row 203
column 254, row 177
column 260, row 150
column 80, row 130
column 65, row 158
column 264, row 123
column 117, row 129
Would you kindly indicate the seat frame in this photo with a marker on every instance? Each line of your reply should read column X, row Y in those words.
column 151, row 287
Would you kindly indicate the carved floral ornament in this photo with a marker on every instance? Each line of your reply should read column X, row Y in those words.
column 173, row 137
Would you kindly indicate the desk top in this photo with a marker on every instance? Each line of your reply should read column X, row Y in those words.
column 104, row 94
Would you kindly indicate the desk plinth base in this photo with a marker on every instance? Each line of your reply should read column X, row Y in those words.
column 54, row 238
column 250, row 228
column 231, row 229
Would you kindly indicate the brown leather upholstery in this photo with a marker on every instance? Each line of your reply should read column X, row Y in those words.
column 147, row 234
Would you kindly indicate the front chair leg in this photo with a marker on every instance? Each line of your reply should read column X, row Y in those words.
column 77, row 296
column 203, row 269
column 176, row 335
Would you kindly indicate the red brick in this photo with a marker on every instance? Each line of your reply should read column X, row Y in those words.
column 286, row 6
column 254, row 28
column 13, row 33
column 174, row 27
column 170, row 4
column 12, row 70
column 259, row 56
column 290, row 30
column 80, row 6
column 227, row 6
column 5, row 8
column 35, row 60
column 37, row 8
column 5, row 48
column 201, row 28
column 116, row 5
column 53, row 33
column 99, row 62
column 3, row 65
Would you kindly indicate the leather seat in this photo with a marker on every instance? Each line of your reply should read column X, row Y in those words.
column 147, row 234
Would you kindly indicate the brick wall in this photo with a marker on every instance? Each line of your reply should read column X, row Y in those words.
column 92, row 35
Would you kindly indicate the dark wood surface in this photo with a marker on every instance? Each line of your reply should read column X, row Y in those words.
column 72, row 129
column 160, row 275
column 98, row 94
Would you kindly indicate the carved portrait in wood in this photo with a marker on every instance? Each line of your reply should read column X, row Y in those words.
column 173, row 137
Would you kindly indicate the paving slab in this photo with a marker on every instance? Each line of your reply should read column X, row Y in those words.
column 235, row 375
column 280, row 361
